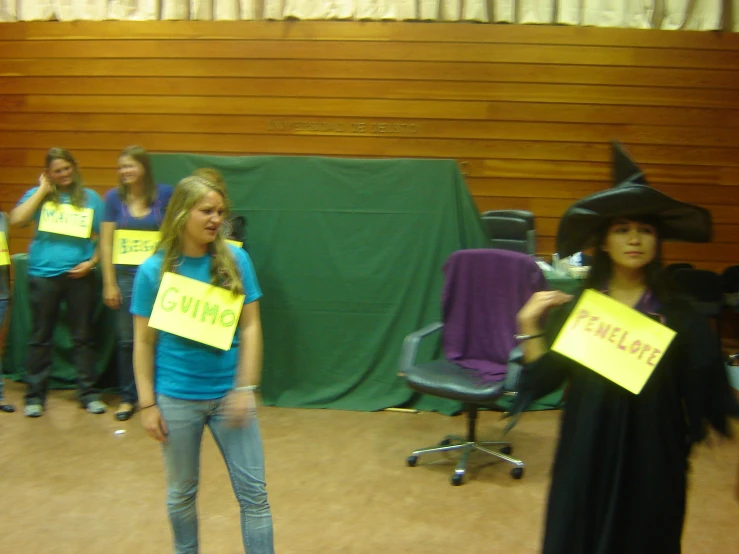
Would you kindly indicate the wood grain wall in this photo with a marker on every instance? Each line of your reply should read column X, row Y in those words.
column 528, row 111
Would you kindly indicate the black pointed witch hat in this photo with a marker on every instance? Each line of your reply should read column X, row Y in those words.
column 630, row 196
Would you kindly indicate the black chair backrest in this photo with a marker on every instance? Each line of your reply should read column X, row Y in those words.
column 524, row 215
column 510, row 230
column 671, row 268
column 700, row 284
column 508, row 234
column 730, row 279
column 238, row 230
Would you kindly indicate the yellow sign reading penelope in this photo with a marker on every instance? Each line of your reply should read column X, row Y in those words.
column 65, row 219
column 4, row 252
column 618, row 342
column 133, row 247
column 197, row 311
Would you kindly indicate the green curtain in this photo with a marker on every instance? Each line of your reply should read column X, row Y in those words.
column 63, row 372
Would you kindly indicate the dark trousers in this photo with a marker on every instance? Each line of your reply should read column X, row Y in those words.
column 47, row 294
column 126, row 380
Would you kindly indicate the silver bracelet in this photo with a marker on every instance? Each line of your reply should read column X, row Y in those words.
column 250, row 388
column 521, row 338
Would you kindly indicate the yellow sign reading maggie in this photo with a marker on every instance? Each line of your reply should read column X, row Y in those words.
column 616, row 341
column 4, row 252
column 133, row 247
column 197, row 311
column 65, row 219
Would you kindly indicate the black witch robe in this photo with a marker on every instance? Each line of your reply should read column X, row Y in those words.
column 619, row 476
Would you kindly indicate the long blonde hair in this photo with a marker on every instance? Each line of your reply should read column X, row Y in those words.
column 140, row 155
column 76, row 190
column 187, row 193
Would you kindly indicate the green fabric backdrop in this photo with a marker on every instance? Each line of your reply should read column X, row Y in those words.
column 349, row 255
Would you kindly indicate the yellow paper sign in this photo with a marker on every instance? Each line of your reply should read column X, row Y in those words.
column 197, row 311
column 133, row 247
column 616, row 341
column 65, row 219
column 4, row 252
column 236, row 243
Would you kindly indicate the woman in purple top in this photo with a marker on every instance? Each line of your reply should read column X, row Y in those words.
column 137, row 204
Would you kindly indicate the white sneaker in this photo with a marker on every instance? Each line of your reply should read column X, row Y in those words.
column 33, row 410
column 96, row 407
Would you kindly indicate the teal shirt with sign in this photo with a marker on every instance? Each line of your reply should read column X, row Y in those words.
column 184, row 368
column 52, row 254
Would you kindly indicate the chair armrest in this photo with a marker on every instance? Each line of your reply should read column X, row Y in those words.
column 514, row 370
column 412, row 341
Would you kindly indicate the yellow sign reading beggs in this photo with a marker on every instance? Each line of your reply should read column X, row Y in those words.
column 4, row 252
column 197, row 311
column 616, row 341
column 133, row 247
column 65, row 219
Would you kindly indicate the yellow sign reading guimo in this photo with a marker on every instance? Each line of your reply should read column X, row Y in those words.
column 65, row 219
column 616, row 341
column 133, row 247
column 4, row 252
column 197, row 311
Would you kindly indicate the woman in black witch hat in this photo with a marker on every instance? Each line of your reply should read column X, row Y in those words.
column 619, row 476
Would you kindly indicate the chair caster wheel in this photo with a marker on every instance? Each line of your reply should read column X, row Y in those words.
column 457, row 479
column 411, row 461
column 445, row 442
column 507, row 450
column 517, row 472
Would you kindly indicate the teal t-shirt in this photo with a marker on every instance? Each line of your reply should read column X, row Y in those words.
column 184, row 368
column 52, row 254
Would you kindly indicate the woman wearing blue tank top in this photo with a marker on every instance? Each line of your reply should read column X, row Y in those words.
column 185, row 385
column 137, row 204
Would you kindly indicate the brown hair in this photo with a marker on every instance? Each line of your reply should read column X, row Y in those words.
column 77, row 188
column 140, row 155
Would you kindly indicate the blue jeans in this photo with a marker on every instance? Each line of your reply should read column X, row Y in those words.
column 4, row 302
column 124, row 349
column 241, row 448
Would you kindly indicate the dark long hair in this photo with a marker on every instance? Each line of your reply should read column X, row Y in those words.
column 656, row 279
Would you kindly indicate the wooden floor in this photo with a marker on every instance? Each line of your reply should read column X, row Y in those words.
column 337, row 482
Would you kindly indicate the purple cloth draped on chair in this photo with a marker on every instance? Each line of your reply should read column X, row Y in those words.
column 483, row 291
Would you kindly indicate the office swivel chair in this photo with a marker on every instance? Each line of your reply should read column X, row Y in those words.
column 511, row 230
column 483, row 291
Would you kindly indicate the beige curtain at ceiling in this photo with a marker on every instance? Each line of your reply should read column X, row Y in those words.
column 703, row 15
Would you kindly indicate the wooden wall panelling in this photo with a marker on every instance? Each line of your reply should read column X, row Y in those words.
column 528, row 110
